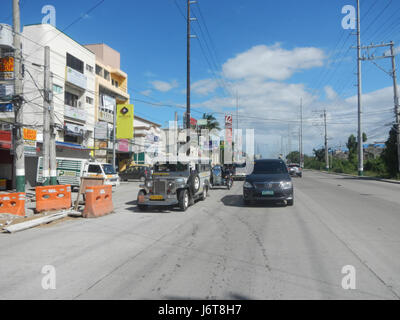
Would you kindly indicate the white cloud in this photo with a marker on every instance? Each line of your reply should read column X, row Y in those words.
column 204, row 87
column 150, row 74
column 268, row 103
column 164, row 86
column 272, row 62
column 146, row 92
column 330, row 93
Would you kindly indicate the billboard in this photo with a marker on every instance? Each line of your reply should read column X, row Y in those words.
column 125, row 121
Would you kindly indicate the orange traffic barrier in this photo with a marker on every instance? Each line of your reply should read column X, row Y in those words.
column 13, row 203
column 98, row 201
column 53, row 198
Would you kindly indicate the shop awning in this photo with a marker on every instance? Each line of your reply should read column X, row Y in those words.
column 66, row 145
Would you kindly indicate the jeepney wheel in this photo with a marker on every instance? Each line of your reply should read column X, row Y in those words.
column 141, row 206
column 204, row 194
column 194, row 183
column 183, row 200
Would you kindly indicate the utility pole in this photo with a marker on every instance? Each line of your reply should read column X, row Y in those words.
column 114, row 136
column 326, row 144
column 301, row 134
column 19, row 153
column 189, row 19
column 395, row 89
column 360, row 137
column 53, row 160
column 396, row 102
column 237, row 127
column 46, row 118
column 176, row 136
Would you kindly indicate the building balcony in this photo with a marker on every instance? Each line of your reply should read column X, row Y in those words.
column 121, row 94
column 75, row 113
column 76, row 78
column 106, row 116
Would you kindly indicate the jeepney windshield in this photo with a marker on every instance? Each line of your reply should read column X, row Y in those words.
column 169, row 167
column 108, row 169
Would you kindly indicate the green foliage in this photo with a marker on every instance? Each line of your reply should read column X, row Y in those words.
column 319, row 154
column 212, row 122
column 293, row 157
column 376, row 166
column 389, row 155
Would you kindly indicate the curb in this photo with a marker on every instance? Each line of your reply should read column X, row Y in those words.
column 354, row 176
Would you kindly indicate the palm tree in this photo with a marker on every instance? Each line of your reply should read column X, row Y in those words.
column 212, row 122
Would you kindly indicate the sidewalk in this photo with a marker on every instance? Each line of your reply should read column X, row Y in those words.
column 355, row 176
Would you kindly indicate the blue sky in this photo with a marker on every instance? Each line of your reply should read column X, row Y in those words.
column 273, row 53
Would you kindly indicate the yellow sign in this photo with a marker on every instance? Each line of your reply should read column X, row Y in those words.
column 30, row 134
column 125, row 121
column 7, row 64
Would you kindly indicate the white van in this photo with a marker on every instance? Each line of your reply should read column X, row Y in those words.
column 70, row 171
column 104, row 170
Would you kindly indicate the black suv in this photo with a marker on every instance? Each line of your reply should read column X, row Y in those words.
column 135, row 173
column 270, row 180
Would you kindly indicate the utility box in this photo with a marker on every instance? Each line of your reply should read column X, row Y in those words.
column 6, row 36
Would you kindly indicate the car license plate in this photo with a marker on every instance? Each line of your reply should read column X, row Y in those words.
column 267, row 193
column 156, row 198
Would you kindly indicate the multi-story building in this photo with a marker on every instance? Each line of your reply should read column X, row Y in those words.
column 73, row 77
column 111, row 88
column 149, row 142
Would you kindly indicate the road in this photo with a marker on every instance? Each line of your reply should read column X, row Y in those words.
column 219, row 249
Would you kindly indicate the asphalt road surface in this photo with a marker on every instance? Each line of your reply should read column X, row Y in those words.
column 219, row 249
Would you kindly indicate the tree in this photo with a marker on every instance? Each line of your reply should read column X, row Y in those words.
column 352, row 145
column 389, row 155
column 320, row 154
column 293, row 157
column 212, row 122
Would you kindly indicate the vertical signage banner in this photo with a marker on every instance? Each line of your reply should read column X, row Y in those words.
column 228, row 128
column 125, row 121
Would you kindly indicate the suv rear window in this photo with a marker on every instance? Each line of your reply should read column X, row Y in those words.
column 239, row 165
column 272, row 167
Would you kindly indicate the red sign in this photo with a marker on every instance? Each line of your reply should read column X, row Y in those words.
column 5, row 139
column 193, row 121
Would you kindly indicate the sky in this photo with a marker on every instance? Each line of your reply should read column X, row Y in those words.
column 270, row 54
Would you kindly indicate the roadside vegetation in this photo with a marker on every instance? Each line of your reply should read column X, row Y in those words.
column 383, row 166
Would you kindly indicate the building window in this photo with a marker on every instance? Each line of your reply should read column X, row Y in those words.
column 57, row 89
column 89, row 68
column 106, row 75
column 89, row 100
column 99, row 70
column 74, row 63
column 71, row 99
column 115, row 83
column 71, row 139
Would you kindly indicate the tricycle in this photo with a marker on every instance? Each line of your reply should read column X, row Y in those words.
column 221, row 176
